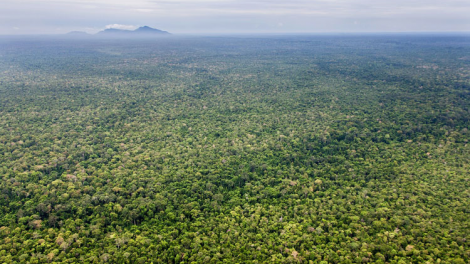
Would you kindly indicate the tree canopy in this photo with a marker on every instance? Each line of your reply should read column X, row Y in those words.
column 296, row 149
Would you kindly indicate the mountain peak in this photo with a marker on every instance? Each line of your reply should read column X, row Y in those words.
column 141, row 31
column 148, row 29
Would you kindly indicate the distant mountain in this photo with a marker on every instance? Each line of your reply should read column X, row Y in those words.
column 149, row 30
column 112, row 31
column 142, row 31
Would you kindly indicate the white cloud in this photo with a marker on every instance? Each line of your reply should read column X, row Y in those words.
column 119, row 26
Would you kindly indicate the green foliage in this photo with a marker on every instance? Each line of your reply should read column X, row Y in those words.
column 307, row 149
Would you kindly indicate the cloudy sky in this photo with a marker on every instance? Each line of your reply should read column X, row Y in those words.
column 234, row 16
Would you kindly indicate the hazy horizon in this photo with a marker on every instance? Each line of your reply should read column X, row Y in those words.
column 23, row 17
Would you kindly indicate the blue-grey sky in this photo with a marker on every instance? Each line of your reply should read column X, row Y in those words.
column 234, row 16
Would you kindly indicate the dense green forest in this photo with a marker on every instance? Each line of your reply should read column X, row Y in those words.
column 281, row 149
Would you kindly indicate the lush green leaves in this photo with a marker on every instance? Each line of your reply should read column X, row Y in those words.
column 240, row 150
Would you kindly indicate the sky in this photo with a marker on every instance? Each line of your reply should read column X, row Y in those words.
column 19, row 17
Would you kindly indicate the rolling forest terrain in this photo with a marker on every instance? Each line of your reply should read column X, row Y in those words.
column 272, row 149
